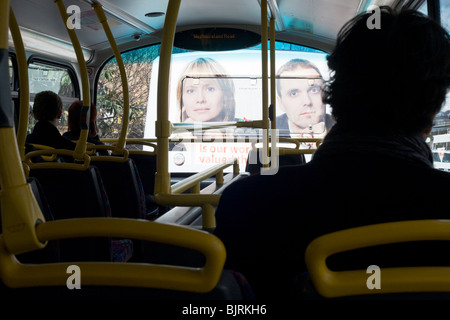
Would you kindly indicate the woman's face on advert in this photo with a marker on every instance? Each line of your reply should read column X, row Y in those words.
column 202, row 99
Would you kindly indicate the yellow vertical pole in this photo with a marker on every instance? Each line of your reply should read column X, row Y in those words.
column 163, row 125
column 273, row 99
column 19, row 208
column 123, row 75
column 265, row 89
column 4, row 23
column 208, row 216
column 80, row 149
column 24, row 93
column 274, row 139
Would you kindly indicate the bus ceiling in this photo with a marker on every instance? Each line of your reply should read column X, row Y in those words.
column 315, row 24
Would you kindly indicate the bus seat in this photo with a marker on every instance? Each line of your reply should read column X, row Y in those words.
column 123, row 186
column 146, row 166
column 76, row 194
column 125, row 193
column 392, row 260
column 254, row 163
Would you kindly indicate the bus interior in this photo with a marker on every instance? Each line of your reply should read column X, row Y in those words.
column 138, row 222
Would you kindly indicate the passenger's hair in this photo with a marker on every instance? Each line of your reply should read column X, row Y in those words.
column 73, row 121
column 47, row 106
column 394, row 78
column 291, row 65
column 207, row 67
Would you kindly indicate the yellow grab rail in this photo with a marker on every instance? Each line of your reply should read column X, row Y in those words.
column 332, row 284
column 56, row 165
column 191, row 181
column 80, row 148
column 15, row 274
column 208, row 202
column 273, row 74
column 287, row 150
column 44, row 157
column 123, row 76
column 4, row 24
column 162, row 126
column 122, row 157
column 265, row 83
column 24, row 92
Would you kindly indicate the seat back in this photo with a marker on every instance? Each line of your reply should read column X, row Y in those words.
column 146, row 165
column 419, row 280
column 125, row 192
column 76, row 194
column 123, row 186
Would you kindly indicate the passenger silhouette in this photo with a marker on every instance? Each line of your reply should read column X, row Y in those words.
column 373, row 166
column 47, row 110
column 74, row 129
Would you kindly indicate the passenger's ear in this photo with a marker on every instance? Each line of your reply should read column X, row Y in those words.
column 59, row 114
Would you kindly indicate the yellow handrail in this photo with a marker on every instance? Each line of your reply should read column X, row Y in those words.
column 44, row 157
column 4, row 24
column 162, row 126
column 208, row 202
column 123, row 76
column 273, row 99
column 124, row 153
column 56, row 165
column 265, row 83
column 189, row 200
column 24, row 93
column 191, row 181
column 80, row 148
column 15, row 274
column 144, row 143
column 332, row 284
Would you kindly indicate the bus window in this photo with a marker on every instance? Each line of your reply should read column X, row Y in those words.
column 56, row 78
column 138, row 65
column 441, row 137
column 445, row 14
column 208, row 88
column 423, row 7
column 436, row 157
column 236, row 72
column 446, row 158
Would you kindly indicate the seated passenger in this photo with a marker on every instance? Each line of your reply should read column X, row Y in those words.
column 74, row 129
column 374, row 165
column 47, row 110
